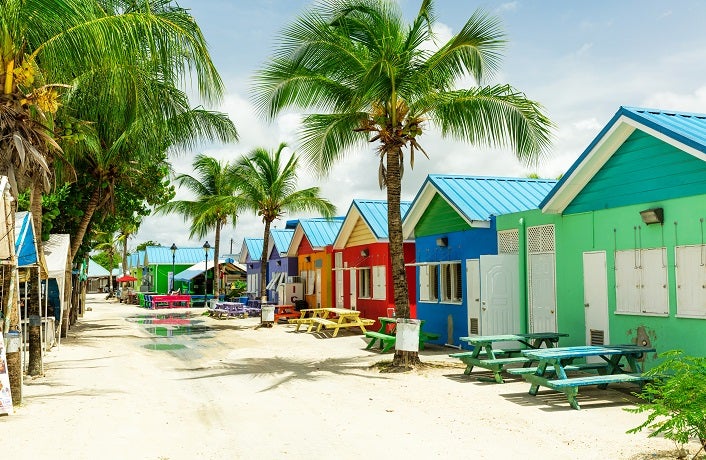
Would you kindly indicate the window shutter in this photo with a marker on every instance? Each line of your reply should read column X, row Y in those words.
column 379, row 282
column 424, row 282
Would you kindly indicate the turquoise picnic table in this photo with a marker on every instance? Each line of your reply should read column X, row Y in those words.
column 485, row 355
column 553, row 365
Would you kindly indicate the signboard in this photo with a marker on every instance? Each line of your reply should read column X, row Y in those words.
column 5, row 396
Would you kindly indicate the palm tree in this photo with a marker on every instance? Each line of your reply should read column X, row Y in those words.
column 373, row 78
column 215, row 202
column 268, row 188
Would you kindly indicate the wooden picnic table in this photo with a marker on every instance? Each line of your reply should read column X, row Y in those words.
column 554, row 363
column 286, row 311
column 486, row 356
column 386, row 338
column 330, row 318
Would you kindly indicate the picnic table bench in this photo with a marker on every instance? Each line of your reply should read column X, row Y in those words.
column 554, row 363
column 286, row 311
column 330, row 318
column 496, row 360
column 170, row 301
column 386, row 339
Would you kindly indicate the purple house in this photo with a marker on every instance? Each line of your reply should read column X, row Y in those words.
column 251, row 257
column 280, row 265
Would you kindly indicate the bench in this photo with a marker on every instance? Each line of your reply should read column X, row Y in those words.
column 569, row 367
column 387, row 342
column 170, row 301
column 496, row 351
column 495, row 365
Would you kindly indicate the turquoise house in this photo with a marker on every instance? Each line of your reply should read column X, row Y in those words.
column 466, row 272
column 617, row 252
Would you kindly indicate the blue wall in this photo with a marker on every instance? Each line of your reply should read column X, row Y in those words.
column 462, row 245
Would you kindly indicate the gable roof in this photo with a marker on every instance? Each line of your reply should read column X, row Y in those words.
column 198, row 269
column 319, row 231
column 373, row 213
column 476, row 198
column 157, row 255
column 280, row 239
column 252, row 247
column 96, row 270
column 683, row 130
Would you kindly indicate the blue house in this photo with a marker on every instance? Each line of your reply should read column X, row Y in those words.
column 280, row 265
column 460, row 257
column 251, row 257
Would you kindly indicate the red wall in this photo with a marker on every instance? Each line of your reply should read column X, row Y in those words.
column 378, row 255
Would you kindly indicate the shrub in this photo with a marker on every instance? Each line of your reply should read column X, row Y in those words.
column 676, row 399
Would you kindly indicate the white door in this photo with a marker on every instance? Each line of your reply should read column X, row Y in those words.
column 542, row 293
column 338, row 273
column 353, row 289
column 318, row 287
column 473, row 296
column 595, row 297
column 500, row 292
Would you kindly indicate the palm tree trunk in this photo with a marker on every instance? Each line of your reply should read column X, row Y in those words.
column 263, row 262
column 124, row 258
column 35, row 207
column 216, row 250
column 85, row 220
column 35, row 365
column 394, row 225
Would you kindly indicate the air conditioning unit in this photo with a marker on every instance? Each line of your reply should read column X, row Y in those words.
column 285, row 292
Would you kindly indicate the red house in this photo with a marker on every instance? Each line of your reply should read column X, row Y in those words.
column 362, row 273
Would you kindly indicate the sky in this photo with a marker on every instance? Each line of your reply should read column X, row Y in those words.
column 581, row 60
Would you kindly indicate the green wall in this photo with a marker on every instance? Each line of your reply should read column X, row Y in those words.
column 614, row 229
column 439, row 217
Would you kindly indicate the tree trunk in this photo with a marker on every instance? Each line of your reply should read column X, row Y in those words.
column 35, row 364
column 216, row 250
column 35, row 207
column 263, row 262
column 396, row 247
column 91, row 207
column 10, row 288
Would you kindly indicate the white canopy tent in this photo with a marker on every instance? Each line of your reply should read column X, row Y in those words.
column 57, row 256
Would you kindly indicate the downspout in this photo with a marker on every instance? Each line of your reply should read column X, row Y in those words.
column 522, row 271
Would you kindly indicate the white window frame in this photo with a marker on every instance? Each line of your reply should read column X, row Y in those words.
column 379, row 282
column 364, row 282
column 429, row 282
column 451, row 282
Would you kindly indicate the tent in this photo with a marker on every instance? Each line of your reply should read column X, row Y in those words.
column 56, row 252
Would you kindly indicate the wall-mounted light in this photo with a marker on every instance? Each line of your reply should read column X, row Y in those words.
column 442, row 241
column 652, row 216
column 307, row 258
column 364, row 253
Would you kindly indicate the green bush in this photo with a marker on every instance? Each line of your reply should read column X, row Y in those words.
column 675, row 400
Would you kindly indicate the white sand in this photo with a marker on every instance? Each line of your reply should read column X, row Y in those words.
column 240, row 392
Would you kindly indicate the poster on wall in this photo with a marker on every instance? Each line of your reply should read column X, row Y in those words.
column 5, row 396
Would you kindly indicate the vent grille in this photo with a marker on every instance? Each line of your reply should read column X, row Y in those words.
column 597, row 337
column 474, row 326
column 509, row 242
column 540, row 239
column 294, row 279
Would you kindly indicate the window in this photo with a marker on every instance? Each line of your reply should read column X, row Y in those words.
column 691, row 281
column 429, row 283
column 253, row 283
column 451, row 282
column 364, row 282
column 641, row 281
column 379, row 282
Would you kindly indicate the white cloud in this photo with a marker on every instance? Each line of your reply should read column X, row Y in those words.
column 506, row 7
column 691, row 102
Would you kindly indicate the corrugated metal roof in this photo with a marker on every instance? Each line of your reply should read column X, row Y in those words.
column 96, row 270
column 320, row 231
column 479, row 198
column 254, row 246
column 684, row 127
column 374, row 212
column 157, row 255
column 281, row 239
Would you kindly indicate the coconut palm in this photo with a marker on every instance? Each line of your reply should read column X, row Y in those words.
column 267, row 186
column 369, row 77
column 215, row 202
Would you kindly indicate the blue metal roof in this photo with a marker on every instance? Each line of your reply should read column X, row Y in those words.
column 374, row 212
column 254, row 246
column 157, row 255
column 321, row 231
column 282, row 239
column 96, row 270
column 685, row 127
column 479, row 198
column 25, row 243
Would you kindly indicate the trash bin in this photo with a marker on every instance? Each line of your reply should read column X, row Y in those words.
column 13, row 341
column 212, row 303
column 407, row 334
column 267, row 313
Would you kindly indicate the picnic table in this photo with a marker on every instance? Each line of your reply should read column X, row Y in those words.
column 486, row 356
column 286, row 311
column 330, row 318
column 385, row 336
column 170, row 301
column 553, row 364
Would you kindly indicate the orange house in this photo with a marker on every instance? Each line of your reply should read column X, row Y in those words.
column 313, row 244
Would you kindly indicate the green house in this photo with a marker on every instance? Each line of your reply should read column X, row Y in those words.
column 616, row 253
